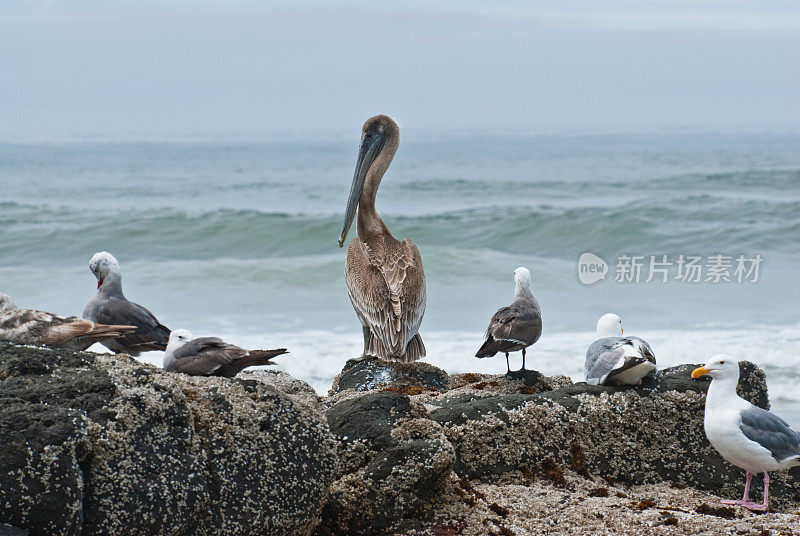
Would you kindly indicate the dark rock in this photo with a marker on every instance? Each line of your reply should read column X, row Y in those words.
column 393, row 463
column 41, row 452
column 463, row 408
column 98, row 444
column 369, row 373
column 636, row 434
column 9, row 530
column 369, row 418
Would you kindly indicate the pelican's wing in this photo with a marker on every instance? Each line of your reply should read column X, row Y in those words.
column 387, row 288
column 603, row 357
column 771, row 432
column 204, row 356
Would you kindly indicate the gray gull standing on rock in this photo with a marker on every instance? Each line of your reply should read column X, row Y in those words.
column 110, row 306
column 211, row 356
column 517, row 326
column 29, row 326
column 747, row 436
column 617, row 360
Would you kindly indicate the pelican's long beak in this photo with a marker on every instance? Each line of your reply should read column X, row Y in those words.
column 702, row 371
column 371, row 145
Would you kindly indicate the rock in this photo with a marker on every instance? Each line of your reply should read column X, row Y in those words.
column 369, row 373
column 635, row 435
column 99, row 444
column 394, row 460
column 9, row 530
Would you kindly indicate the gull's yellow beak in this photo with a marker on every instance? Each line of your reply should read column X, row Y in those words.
column 702, row 371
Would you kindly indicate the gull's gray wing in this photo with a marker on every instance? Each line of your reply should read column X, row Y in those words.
column 150, row 334
column 771, row 432
column 204, row 356
column 602, row 357
column 518, row 325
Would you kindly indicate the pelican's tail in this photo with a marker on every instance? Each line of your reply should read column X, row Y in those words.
column 415, row 349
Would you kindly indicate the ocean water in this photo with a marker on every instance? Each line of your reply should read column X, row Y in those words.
column 238, row 240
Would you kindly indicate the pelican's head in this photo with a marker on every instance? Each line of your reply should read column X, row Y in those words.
column 720, row 366
column 178, row 338
column 102, row 265
column 379, row 131
column 609, row 325
column 6, row 304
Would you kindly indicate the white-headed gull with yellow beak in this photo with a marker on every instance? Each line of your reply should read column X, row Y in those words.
column 617, row 360
column 211, row 356
column 747, row 436
column 110, row 306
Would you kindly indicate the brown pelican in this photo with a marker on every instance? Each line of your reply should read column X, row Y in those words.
column 384, row 276
column 211, row 356
column 616, row 360
column 110, row 306
column 29, row 326
column 517, row 326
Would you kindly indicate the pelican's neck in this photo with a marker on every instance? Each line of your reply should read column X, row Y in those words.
column 112, row 285
column 369, row 223
column 522, row 289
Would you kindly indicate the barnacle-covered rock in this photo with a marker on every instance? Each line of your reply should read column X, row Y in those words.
column 99, row 444
column 394, row 462
column 634, row 435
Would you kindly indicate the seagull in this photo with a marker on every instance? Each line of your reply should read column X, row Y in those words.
column 384, row 276
column 211, row 356
column 110, row 306
column 517, row 326
column 29, row 326
column 749, row 437
column 614, row 359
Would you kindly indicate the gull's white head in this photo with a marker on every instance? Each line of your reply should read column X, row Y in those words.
column 6, row 304
column 102, row 265
column 178, row 338
column 522, row 276
column 720, row 366
column 609, row 325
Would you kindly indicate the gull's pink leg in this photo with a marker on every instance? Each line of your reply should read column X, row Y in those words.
column 746, row 497
column 760, row 507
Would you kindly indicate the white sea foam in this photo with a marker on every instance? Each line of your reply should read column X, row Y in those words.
column 317, row 356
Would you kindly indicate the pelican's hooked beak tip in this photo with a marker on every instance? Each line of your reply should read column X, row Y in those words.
column 702, row 371
column 341, row 241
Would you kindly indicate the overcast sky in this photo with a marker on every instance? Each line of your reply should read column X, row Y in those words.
column 218, row 69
